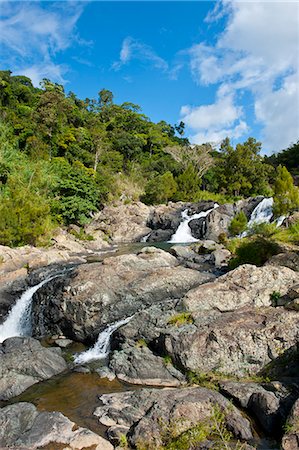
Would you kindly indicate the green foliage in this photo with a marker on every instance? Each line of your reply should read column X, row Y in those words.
column 286, row 195
column 75, row 155
column 256, row 250
column 266, row 230
column 238, row 224
column 141, row 343
column 242, row 171
column 160, row 189
column 178, row 434
column 24, row 216
column 288, row 158
column 181, row 319
column 78, row 192
column 274, row 297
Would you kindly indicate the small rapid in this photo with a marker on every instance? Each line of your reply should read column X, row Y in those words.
column 101, row 348
column 183, row 234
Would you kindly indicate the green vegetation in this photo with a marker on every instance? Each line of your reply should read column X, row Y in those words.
column 256, row 250
column 286, row 195
column 275, row 296
column 63, row 158
column 181, row 319
column 179, row 435
column 238, row 224
column 263, row 241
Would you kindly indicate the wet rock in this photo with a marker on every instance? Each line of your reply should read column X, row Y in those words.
column 166, row 217
column 198, row 227
column 99, row 294
column 248, row 205
column 22, row 426
column 12, row 285
column 246, row 285
column 290, row 440
column 147, row 412
column 138, row 365
column 218, row 221
column 160, row 236
column 24, row 362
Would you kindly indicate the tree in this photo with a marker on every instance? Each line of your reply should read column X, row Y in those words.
column 241, row 171
column 160, row 189
column 197, row 156
column 105, row 98
column 286, row 195
column 238, row 224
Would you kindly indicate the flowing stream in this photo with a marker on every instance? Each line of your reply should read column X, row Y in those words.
column 101, row 348
column 183, row 234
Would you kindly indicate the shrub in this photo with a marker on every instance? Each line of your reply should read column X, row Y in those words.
column 275, row 296
column 24, row 217
column 160, row 189
column 181, row 319
column 238, row 224
column 255, row 251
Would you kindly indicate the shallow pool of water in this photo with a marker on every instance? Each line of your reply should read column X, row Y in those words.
column 73, row 394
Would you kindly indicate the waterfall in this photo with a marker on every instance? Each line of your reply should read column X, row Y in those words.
column 145, row 238
column 183, row 233
column 262, row 213
column 102, row 346
column 18, row 321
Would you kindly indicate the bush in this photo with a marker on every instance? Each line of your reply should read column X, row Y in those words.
column 160, row 189
column 181, row 319
column 238, row 224
column 255, row 251
column 24, row 217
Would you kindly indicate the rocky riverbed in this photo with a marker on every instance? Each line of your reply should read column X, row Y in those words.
column 207, row 357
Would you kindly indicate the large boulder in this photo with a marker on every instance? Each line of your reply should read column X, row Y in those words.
column 120, row 223
column 246, row 285
column 286, row 259
column 269, row 403
column 24, row 362
column 23, row 427
column 98, row 294
column 147, row 414
column 138, row 365
column 239, row 343
column 218, row 221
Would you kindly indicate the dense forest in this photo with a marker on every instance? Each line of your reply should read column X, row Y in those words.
column 63, row 158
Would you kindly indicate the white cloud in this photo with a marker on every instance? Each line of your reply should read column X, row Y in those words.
column 258, row 48
column 133, row 49
column 222, row 113
column 31, row 36
column 212, row 123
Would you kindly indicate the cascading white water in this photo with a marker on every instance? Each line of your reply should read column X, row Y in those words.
column 102, row 346
column 18, row 322
column 262, row 213
column 183, row 233
column 145, row 238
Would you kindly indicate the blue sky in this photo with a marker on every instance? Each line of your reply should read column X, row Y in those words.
column 226, row 68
